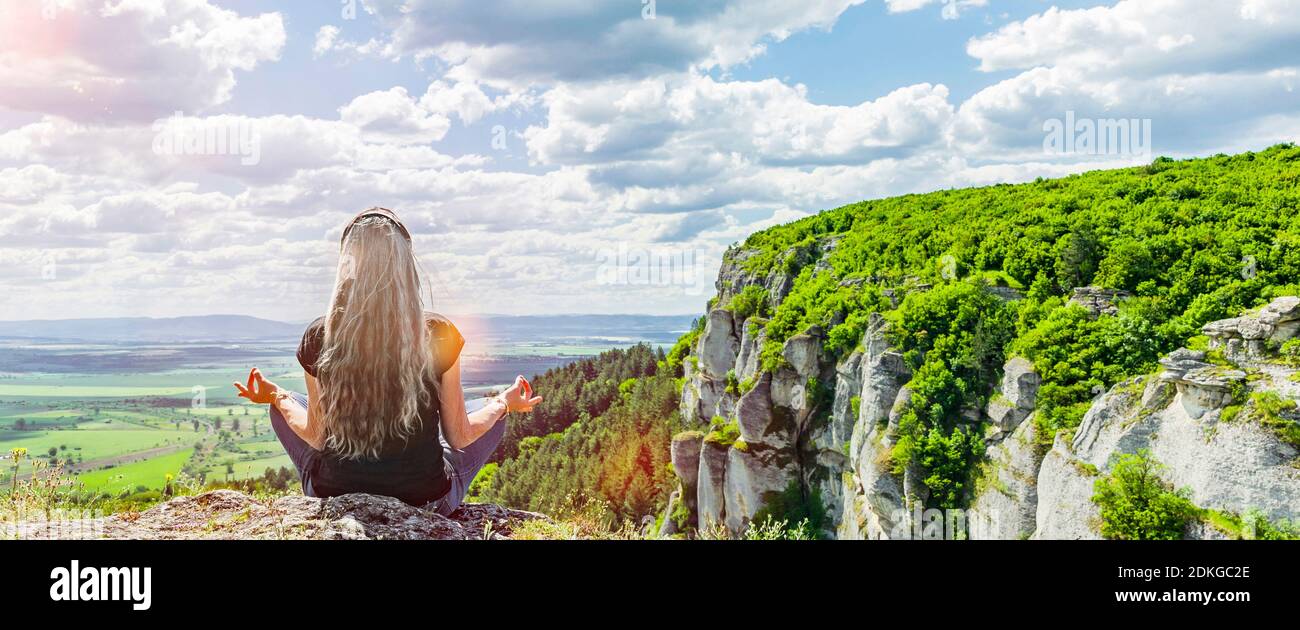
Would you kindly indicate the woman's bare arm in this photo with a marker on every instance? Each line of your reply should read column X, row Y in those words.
column 462, row 429
column 304, row 420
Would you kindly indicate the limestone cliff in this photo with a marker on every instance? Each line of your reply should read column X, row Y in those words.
column 823, row 428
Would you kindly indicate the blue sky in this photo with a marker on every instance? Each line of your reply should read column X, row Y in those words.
column 545, row 151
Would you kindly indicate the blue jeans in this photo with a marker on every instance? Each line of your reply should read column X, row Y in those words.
column 462, row 464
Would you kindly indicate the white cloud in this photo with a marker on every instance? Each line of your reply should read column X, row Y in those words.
column 951, row 8
column 1148, row 37
column 392, row 115
column 516, row 43
column 1200, row 71
column 680, row 117
column 133, row 60
column 325, row 38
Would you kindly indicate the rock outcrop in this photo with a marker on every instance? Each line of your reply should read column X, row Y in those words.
column 822, row 429
column 874, row 497
column 1006, row 498
column 711, row 497
column 1230, row 464
column 1015, row 401
column 1248, row 337
column 683, row 503
column 227, row 514
column 1097, row 300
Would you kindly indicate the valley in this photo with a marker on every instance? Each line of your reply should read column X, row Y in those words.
column 126, row 418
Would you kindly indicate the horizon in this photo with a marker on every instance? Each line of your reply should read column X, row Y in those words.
column 304, row 322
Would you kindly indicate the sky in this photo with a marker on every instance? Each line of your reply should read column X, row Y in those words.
column 185, row 157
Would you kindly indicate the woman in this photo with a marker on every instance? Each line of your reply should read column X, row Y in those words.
column 384, row 411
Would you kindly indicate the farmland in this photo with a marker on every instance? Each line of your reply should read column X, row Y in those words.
column 125, row 419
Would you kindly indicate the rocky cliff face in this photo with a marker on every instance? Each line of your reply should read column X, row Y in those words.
column 226, row 514
column 833, row 445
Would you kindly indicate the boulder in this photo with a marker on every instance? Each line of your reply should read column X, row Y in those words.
column 711, row 495
column 228, row 514
column 803, row 353
column 1180, row 362
column 759, row 421
column 1208, row 389
column 756, row 473
column 718, row 344
column 685, row 453
column 1016, row 398
column 753, row 334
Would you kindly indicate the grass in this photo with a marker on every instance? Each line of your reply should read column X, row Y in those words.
column 88, row 445
column 1253, row 525
column 1272, row 409
column 249, row 469
column 150, row 473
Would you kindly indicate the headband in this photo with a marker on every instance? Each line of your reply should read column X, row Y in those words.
column 376, row 212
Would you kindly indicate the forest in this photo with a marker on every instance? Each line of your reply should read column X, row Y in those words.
column 602, row 437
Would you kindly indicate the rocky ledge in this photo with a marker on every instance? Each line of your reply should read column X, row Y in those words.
column 1249, row 336
column 227, row 514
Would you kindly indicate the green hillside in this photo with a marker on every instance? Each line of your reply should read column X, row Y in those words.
column 1193, row 240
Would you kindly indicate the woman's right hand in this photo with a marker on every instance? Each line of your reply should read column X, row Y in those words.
column 259, row 390
column 519, row 397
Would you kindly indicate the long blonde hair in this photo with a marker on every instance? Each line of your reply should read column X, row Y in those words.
column 375, row 366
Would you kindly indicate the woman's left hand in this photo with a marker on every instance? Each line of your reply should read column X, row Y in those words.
column 258, row 390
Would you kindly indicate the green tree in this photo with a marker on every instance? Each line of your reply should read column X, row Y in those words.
column 1137, row 505
column 1077, row 262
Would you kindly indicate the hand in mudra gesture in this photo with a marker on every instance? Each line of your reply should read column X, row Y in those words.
column 519, row 397
column 258, row 390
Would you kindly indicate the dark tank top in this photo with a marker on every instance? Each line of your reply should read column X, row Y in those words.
column 413, row 470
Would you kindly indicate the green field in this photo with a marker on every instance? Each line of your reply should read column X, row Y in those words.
column 151, row 473
column 91, row 445
column 216, row 382
column 249, row 469
column 110, row 427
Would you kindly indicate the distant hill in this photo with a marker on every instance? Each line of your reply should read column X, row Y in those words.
column 205, row 328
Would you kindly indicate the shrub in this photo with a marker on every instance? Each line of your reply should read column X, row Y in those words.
column 682, row 349
column 752, row 300
column 771, row 529
column 733, row 385
column 1137, row 505
column 722, row 432
column 1289, row 353
column 792, row 505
